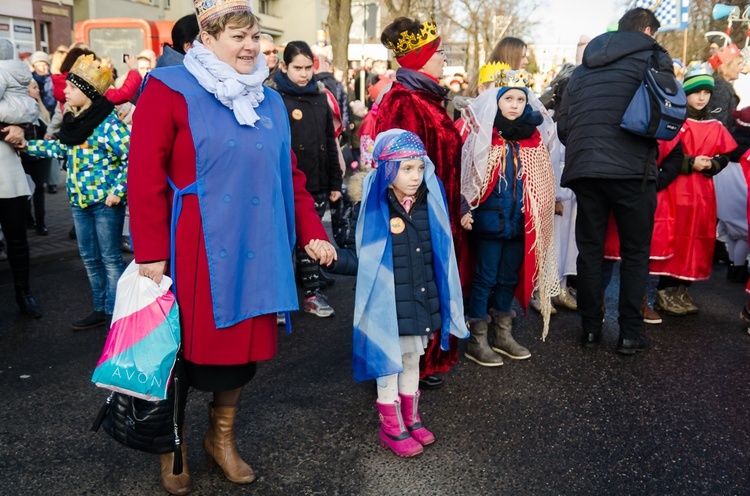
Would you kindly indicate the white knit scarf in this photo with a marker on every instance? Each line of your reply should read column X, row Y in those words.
column 239, row 92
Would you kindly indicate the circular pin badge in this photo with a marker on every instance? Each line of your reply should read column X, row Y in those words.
column 296, row 114
column 397, row 225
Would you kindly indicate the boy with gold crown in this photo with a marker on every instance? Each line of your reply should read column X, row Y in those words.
column 508, row 187
column 94, row 144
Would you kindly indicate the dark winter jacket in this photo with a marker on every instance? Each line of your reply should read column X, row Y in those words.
column 594, row 102
column 339, row 92
column 670, row 168
column 313, row 141
column 723, row 102
column 344, row 218
column 742, row 136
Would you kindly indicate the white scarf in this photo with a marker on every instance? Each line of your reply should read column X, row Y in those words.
column 239, row 92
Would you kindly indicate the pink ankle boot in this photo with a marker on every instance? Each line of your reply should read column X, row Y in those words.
column 393, row 433
column 410, row 413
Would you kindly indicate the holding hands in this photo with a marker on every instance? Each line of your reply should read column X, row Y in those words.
column 321, row 251
column 701, row 163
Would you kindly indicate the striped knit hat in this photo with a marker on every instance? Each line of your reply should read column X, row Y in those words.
column 696, row 82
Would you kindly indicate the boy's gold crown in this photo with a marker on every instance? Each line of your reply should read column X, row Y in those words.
column 208, row 10
column 90, row 70
column 501, row 75
column 408, row 42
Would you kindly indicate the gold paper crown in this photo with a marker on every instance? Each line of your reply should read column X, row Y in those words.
column 208, row 10
column 90, row 70
column 501, row 75
column 408, row 42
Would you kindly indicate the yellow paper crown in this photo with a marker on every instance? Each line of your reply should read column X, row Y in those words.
column 90, row 70
column 501, row 75
column 208, row 10
column 408, row 42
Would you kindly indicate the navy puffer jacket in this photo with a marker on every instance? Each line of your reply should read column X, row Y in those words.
column 417, row 300
column 594, row 102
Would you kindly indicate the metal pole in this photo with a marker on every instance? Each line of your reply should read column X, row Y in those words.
column 684, row 47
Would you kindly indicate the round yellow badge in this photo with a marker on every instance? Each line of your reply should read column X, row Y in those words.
column 397, row 225
column 296, row 114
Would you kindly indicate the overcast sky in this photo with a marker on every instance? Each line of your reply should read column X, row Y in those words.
column 564, row 21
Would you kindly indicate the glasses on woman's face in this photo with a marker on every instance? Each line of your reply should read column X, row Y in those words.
column 269, row 52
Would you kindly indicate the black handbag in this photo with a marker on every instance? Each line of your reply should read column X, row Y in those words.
column 150, row 426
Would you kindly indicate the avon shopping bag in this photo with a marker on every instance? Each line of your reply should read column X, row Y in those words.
column 142, row 345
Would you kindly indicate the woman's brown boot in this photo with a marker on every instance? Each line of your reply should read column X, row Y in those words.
column 220, row 448
column 175, row 484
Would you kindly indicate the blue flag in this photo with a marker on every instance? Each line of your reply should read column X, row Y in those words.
column 672, row 14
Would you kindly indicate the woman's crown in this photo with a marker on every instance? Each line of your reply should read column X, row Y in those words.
column 408, row 42
column 208, row 10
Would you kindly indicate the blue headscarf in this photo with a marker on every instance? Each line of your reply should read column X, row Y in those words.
column 377, row 350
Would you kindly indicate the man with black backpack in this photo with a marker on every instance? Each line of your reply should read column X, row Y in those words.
column 612, row 171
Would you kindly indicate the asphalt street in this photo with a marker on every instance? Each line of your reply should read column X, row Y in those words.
column 673, row 421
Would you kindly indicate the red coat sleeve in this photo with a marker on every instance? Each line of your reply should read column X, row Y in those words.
column 308, row 225
column 58, row 86
column 149, row 195
column 127, row 91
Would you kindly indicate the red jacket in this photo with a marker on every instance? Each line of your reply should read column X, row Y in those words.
column 162, row 146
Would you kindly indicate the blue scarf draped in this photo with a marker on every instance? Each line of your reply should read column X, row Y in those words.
column 377, row 350
column 415, row 80
column 285, row 85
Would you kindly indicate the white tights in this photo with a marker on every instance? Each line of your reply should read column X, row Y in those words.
column 407, row 382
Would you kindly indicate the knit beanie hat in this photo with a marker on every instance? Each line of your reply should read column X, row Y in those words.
column 88, row 75
column 504, row 89
column 698, row 79
column 39, row 56
column 7, row 50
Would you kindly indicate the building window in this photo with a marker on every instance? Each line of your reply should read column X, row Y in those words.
column 265, row 7
column 167, row 4
column 44, row 37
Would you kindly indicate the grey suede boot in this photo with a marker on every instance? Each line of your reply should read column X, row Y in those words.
column 478, row 349
column 502, row 340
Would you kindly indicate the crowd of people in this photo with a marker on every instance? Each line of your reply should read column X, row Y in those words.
column 450, row 198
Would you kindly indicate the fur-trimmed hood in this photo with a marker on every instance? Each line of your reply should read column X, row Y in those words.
column 354, row 186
